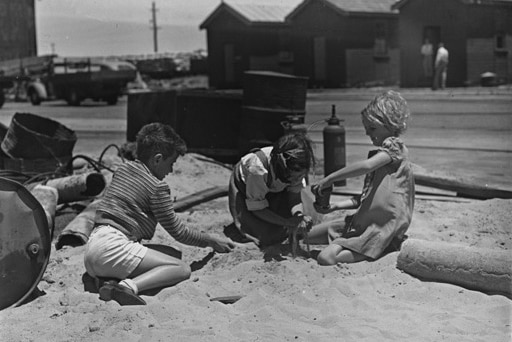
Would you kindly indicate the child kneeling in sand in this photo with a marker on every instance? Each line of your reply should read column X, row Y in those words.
column 136, row 200
column 384, row 209
column 265, row 190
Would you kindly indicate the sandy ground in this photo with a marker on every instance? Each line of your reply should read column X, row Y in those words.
column 283, row 298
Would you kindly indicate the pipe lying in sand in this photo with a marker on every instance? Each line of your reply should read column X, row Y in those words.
column 48, row 197
column 77, row 232
column 78, row 187
column 481, row 269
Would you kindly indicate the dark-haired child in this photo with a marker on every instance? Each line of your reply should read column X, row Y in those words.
column 136, row 200
column 265, row 190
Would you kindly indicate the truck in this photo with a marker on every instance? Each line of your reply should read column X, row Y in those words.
column 72, row 79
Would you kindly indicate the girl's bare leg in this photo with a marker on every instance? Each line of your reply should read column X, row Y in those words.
column 334, row 254
column 322, row 234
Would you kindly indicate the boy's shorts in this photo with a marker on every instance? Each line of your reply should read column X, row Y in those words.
column 110, row 254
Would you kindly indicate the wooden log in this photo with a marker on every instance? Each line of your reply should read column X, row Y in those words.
column 485, row 270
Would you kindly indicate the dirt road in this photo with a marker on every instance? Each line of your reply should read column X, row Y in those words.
column 463, row 132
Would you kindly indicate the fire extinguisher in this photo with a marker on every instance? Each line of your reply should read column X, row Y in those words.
column 334, row 146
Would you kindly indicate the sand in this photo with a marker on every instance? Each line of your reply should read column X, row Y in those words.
column 283, row 298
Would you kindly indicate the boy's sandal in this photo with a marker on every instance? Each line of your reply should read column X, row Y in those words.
column 121, row 294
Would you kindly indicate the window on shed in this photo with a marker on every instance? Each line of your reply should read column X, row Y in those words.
column 500, row 45
column 500, row 41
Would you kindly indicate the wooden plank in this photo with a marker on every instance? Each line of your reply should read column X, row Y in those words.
column 206, row 195
column 463, row 189
column 346, row 193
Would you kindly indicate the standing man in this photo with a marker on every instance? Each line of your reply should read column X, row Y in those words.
column 441, row 65
column 427, row 52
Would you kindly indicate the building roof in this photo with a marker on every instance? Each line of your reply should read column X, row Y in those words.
column 253, row 13
column 269, row 13
column 371, row 6
column 347, row 7
column 400, row 3
column 262, row 13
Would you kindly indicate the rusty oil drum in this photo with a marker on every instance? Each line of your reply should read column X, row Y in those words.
column 25, row 243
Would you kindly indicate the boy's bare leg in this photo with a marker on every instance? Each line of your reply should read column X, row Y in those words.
column 334, row 254
column 159, row 270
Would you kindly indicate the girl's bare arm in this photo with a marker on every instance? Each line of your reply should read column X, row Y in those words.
column 356, row 169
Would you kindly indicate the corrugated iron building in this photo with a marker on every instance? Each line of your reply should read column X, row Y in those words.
column 345, row 43
column 17, row 29
column 243, row 37
column 477, row 34
column 332, row 42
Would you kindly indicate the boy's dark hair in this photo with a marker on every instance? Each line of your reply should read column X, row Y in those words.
column 292, row 152
column 156, row 138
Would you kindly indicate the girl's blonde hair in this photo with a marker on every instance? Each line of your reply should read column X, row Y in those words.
column 390, row 110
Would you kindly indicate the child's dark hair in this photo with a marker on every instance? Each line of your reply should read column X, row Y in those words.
column 292, row 152
column 156, row 138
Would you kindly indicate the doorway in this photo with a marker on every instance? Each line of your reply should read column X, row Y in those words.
column 433, row 35
column 229, row 64
column 319, row 60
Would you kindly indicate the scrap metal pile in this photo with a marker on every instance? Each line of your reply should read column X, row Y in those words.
column 38, row 177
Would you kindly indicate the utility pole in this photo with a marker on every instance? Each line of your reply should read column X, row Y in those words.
column 154, row 27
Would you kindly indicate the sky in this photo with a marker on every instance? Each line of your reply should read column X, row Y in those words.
column 178, row 12
column 120, row 27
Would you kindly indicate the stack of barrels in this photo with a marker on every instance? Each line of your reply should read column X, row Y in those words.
column 269, row 100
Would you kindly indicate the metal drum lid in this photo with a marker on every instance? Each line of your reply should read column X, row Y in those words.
column 25, row 243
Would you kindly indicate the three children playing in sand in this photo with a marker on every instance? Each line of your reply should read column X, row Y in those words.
column 264, row 200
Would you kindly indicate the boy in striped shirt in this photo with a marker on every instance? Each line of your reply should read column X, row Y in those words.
column 136, row 200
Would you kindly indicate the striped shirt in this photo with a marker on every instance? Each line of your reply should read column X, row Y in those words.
column 136, row 201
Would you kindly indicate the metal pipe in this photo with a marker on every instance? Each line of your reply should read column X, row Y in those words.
column 48, row 197
column 78, row 187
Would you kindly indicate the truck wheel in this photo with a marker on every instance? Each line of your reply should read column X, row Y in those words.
column 73, row 98
column 35, row 99
column 2, row 97
column 112, row 100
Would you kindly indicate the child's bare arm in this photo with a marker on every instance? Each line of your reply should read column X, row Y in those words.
column 356, row 169
column 269, row 216
column 340, row 205
column 296, row 203
column 220, row 244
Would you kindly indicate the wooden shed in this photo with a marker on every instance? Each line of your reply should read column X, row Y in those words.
column 477, row 34
column 242, row 37
column 17, row 29
column 345, row 43
column 334, row 43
